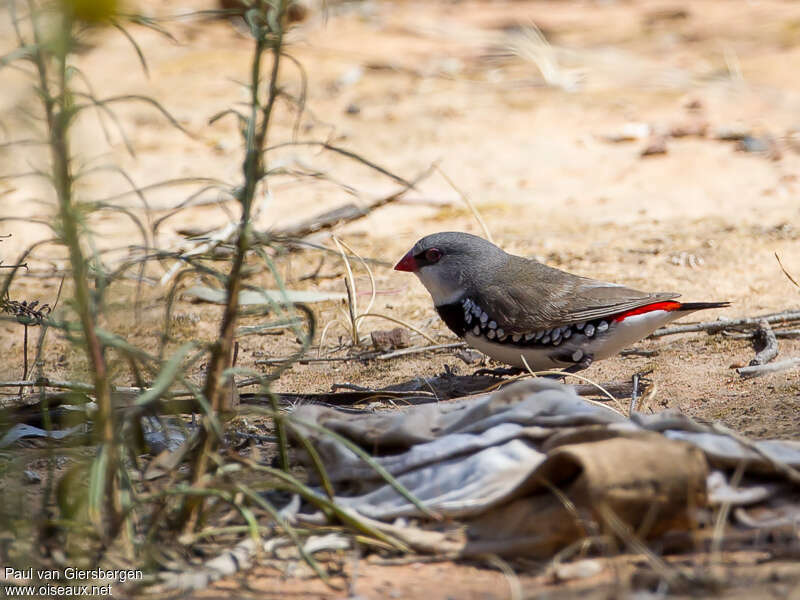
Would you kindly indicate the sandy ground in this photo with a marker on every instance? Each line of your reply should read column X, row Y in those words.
column 408, row 84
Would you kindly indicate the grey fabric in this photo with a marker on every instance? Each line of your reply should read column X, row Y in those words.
column 471, row 458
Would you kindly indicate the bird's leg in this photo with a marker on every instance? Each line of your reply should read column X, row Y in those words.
column 638, row 378
column 499, row 372
column 582, row 364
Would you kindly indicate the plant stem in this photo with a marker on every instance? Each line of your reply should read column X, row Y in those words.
column 59, row 112
column 253, row 171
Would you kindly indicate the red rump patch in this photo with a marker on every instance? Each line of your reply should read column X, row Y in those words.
column 669, row 305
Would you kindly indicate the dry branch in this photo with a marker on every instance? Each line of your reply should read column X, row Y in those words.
column 723, row 324
column 776, row 367
column 422, row 391
column 767, row 342
column 343, row 214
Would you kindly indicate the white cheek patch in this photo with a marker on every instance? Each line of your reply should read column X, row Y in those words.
column 440, row 291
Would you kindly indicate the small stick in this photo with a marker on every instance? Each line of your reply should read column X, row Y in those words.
column 720, row 325
column 305, row 360
column 785, row 272
column 775, row 367
column 418, row 349
column 347, row 212
column 469, row 204
column 779, row 333
column 634, row 394
column 638, row 352
column 25, row 359
column 765, row 338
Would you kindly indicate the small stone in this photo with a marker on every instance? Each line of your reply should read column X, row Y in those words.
column 467, row 303
column 546, row 339
column 502, row 338
column 476, row 310
column 492, row 325
column 764, row 145
column 529, row 336
column 589, row 330
column 732, row 133
column 484, row 318
column 602, row 326
column 491, row 334
column 469, row 356
column 517, row 337
column 568, row 333
column 501, row 333
column 629, row 133
column 391, row 339
column 352, row 109
column 577, row 355
column 692, row 127
column 31, row 476
column 476, row 330
column 557, row 341
column 751, row 143
column 539, row 335
column 580, row 326
column 582, row 569
column 468, row 318
column 655, row 145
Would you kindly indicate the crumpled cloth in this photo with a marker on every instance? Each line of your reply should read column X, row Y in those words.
column 533, row 466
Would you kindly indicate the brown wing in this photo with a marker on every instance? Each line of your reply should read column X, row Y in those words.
column 533, row 296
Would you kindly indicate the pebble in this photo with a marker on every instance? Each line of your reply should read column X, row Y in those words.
column 655, row 145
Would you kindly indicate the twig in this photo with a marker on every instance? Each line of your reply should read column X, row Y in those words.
column 721, row 325
column 779, row 333
column 765, row 338
column 785, row 272
column 345, row 213
column 418, row 349
column 775, row 367
column 469, row 204
column 350, row 286
column 305, row 360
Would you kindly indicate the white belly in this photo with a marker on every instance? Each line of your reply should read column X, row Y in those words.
column 540, row 357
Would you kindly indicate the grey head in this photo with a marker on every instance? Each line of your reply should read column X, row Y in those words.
column 452, row 264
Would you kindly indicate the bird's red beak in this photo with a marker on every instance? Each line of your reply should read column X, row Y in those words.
column 407, row 263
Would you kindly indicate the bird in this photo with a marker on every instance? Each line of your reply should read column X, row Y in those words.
column 523, row 313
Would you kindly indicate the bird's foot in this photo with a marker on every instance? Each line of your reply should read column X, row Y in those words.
column 582, row 364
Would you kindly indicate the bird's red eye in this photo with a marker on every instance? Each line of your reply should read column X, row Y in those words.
column 432, row 255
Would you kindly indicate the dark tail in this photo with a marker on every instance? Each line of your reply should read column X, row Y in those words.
column 691, row 306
